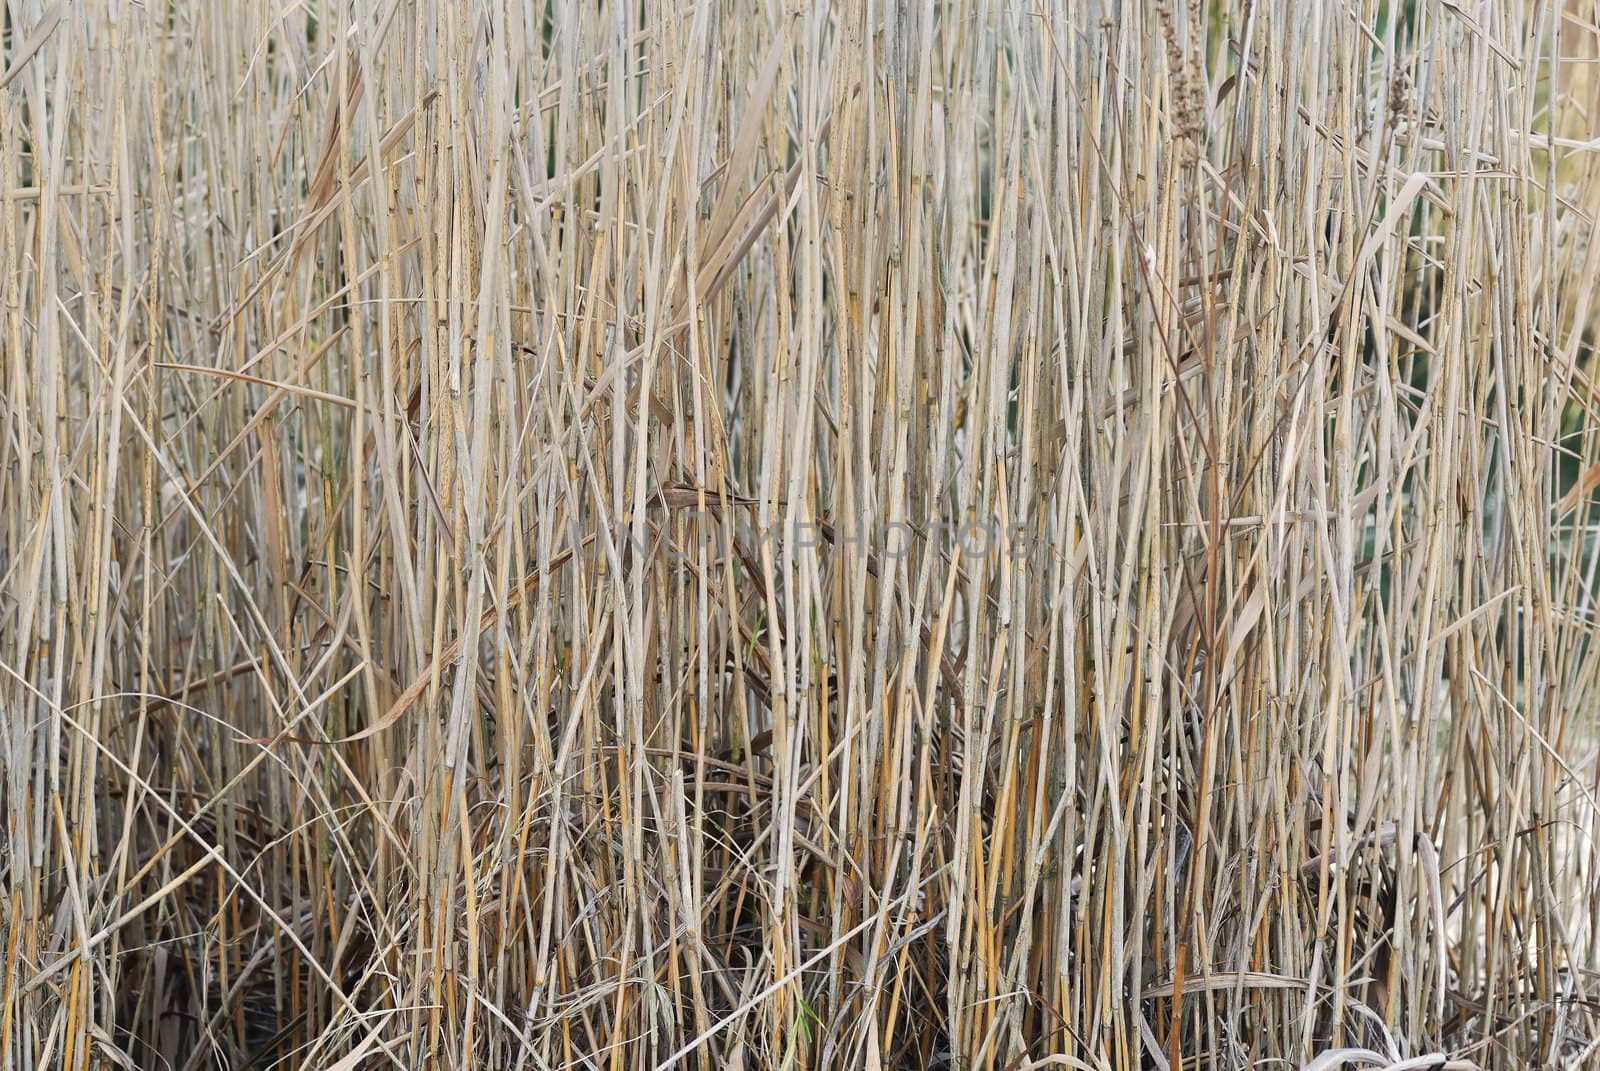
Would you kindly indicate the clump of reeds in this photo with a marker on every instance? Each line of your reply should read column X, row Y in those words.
column 737, row 535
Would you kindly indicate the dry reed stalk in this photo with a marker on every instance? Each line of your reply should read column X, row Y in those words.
column 882, row 535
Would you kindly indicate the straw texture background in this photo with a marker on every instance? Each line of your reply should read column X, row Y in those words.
column 780, row 535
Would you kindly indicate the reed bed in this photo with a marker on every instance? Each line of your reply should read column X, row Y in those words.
column 747, row 535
